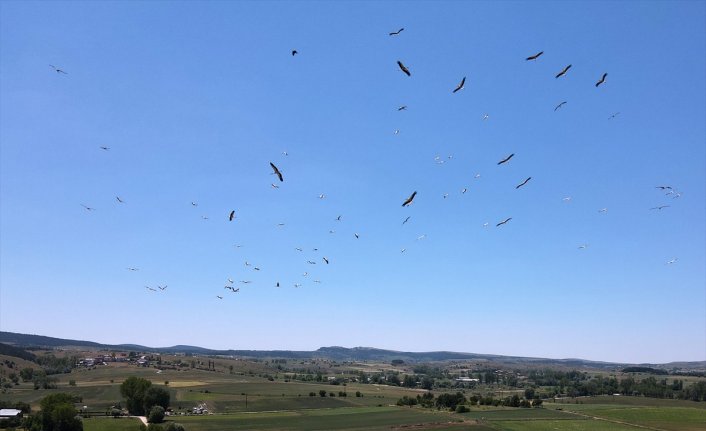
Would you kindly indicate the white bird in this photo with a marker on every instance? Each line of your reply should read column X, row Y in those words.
column 403, row 250
column 671, row 261
column 421, row 237
column 582, row 246
column 322, row 196
column 603, row 210
column 230, row 280
column 485, row 224
column 397, row 132
column 566, row 199
column 485, row 116
column 274, row 186
column 194, row 204
column 297, row 285
column 317, row 281
column 464, row 190
column 305, row 274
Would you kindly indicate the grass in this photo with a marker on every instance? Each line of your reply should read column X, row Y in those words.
column 667, row 418
column 355, row 418
column 563, row 425
column 110, row 424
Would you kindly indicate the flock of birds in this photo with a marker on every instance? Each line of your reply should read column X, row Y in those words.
column 230, row 282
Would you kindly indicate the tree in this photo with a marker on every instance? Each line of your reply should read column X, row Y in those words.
column 156, row 396
column 57, row 414
column 26, row 374
column 409, row 381
column 134, row 389
column 156, row 415
column 322, row 393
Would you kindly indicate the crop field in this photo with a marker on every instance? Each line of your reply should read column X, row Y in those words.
column 257, row 395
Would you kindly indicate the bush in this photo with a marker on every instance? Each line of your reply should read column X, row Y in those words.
column 358, row 394
column 462, row 409
column 312, row 394
column 173, row 426
column 156, row 415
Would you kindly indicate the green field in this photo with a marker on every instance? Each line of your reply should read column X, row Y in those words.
column 257, row 396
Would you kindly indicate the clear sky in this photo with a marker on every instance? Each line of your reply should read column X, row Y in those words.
column 195, row 99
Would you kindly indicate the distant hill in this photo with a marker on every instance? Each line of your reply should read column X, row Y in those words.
column 334, row 353
column 8, row 350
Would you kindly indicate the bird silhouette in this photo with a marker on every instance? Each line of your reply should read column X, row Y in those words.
column 460, row 85
column 602, row 80
column 503, row 222
column 534, row 57
column 57, row 70
column 403, row 68
column 409, row 200
column 231, row 216
column 563, row 72
column 276, row 171
column 523, row 183
column 506, row 159
column 395, row 33
column 294, row 52
column 560, row 105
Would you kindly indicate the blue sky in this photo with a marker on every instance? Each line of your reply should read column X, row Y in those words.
column 195, row 100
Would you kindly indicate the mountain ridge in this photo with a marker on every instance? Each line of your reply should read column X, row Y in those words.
column 340, row 353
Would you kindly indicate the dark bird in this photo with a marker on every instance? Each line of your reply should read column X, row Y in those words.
column 133, row 269
column 338, row 218
column 326, row 260
column 277, row 285
column 503, row 222
column 356, row 235
column 219, row 297
column 403, row 68
column 409, row 200
column 614, row 115
column 87, row 208
column 294, row 52
column 57, row 70
column 105, row 148
column 505, row 160
column 402, row 108
column 523, row 183
column 395, row 33
column 406, row 220
column 534, row 57
column 602, row 80
column 660, row 207
column 664, row 187
column 119, row 200
column 231, row 216
column 150, row 288
column 311, row 262
column 194, row 204
column 460, row 85
column 563, row 72
column 162, row 288
column 560, row 105
column 276, row 171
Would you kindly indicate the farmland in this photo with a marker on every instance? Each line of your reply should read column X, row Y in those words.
column 325, row 394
